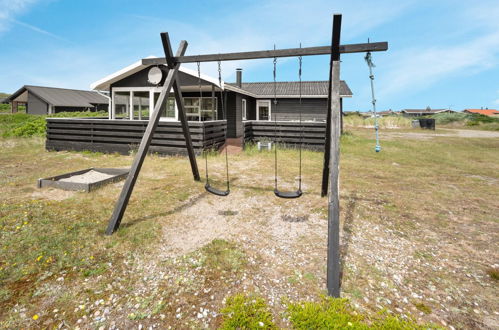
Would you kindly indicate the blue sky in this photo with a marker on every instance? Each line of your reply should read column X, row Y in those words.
column 441, row 53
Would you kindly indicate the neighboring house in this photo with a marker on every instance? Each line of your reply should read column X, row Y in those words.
column 486, row 112
column 138, row 87
column 423, row 112
column 387, row 113
column 4, row 101
column 48, row 100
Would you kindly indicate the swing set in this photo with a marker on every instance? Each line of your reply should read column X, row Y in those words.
column 330, row 174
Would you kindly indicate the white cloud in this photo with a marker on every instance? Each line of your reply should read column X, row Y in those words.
column 10, row 9
column 37, row 29
column 422, row 67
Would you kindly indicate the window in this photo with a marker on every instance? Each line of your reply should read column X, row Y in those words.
column 244, row 109
column 200, row 111
column 167, row 108
column 263, row 110
column 141, row 105
column 122, row 105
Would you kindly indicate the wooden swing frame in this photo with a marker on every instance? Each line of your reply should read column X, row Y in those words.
column 330, row 175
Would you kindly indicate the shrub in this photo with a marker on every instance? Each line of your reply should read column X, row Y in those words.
column 246, row 312
column 336, row 313
column 24, row 125
column 447, row 118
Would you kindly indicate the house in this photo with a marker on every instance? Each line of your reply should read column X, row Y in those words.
column 48, row 100
column 423, row 112
column 250, row 113
column 486, row 112
column 386, row 113
column 134, row 88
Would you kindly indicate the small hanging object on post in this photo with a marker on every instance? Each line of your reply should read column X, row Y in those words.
column 277, row 192
column 371, row 65
column 207, row 186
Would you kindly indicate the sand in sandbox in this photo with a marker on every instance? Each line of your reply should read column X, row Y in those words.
column 88, row 177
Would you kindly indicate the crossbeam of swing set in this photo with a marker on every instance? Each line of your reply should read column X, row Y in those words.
column 289, row 52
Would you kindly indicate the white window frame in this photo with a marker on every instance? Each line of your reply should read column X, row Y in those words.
column 200, row 111
column 243, row 105
column 258, row 102
column 151, row 91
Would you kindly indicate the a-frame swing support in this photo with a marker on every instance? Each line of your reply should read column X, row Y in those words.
column 330, row 179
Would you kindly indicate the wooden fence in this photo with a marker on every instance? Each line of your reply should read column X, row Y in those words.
column 311, row 134
column 123, row 136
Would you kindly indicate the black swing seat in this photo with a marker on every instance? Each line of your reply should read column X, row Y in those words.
column 215, row 191
column 288, row 194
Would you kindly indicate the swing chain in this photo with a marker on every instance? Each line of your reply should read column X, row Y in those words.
column 371, row 65
column 275, row 83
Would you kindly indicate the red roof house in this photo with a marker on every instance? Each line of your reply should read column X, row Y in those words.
column 486, row 112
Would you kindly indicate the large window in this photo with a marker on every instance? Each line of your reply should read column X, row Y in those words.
column 138, row 104
column 122, row 105
column 141, row 105
column 200, row 109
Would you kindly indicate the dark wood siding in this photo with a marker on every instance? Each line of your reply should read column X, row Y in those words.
column 36, row 106
column 289, row 109
column 139, row 79
column 311, row 134
column 122, row 136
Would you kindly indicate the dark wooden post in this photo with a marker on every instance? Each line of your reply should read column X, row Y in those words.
column 126, row 192
column 333, row 246
column 341, row 114
column 181, row 108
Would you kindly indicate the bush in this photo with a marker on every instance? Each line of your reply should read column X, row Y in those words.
column 246, row 312
column 24, row 125
column 447, row 118
column 335, row 313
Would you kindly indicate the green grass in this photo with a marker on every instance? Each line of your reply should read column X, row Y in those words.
column 24, row 125
column 243, row 311
column 331, row 313
column 466, row 120
column 246, row 312
column 412, row 181
column 223, row 256
column 383, row 122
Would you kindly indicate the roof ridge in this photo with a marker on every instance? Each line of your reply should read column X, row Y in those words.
column 68, row 89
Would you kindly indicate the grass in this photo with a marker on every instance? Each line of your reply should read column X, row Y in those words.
column 449, row 120
column 246, row 312
column 251, row 312
column 223, row 256
column 24, row 125
column 411, row 185
column 383, row 122
column 493, row 273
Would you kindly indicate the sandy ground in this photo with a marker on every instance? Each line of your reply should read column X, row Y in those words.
column 88, row 177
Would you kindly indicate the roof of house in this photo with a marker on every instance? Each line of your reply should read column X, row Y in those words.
column 292, row 88
column 487, row 112
column 62, row 97
column 256, row 89
column 424, row 110
column 106, row 82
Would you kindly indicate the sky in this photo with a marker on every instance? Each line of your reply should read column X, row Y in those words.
column 442, row 53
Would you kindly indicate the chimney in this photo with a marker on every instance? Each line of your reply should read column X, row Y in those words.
column 239, row 77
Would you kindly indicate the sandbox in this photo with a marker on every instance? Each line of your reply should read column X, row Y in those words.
column 84, row 180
